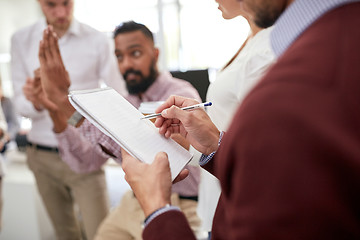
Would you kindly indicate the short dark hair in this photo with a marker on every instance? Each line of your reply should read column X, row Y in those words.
column 132, row 26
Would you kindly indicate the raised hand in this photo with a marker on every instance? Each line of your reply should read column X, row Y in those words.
column 196, row 126
column 55, row 79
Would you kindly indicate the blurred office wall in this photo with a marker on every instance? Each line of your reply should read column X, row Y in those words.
column 190, row 34
column 14, row 14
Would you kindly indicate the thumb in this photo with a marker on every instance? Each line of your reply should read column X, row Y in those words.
column 182, row 175
column 162, row 157
column 127, row 161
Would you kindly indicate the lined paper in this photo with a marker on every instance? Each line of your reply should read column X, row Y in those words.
column 120, row 120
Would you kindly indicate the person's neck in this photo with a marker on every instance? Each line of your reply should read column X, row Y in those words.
column 254, row 29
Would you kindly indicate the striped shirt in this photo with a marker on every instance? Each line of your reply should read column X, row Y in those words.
column 297, row 18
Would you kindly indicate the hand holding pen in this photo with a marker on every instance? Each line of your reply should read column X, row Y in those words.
column 195, row 126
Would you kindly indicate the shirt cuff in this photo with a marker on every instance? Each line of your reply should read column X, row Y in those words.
column 68, row 130
column 204, row 159
column 158, row 212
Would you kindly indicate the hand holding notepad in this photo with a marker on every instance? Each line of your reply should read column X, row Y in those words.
column 120, row 120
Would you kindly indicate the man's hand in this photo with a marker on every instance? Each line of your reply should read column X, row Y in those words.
column 34, row 93
column 196, row 126
column 55, row 79
column 40, row 95
column 151, row 183
column 30, row 93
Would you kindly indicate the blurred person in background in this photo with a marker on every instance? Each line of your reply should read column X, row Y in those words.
column 3, row 140
column 11, row 117
column 86, row 53
column 232, row 83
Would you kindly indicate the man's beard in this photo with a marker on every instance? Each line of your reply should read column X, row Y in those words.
column 134, row 87
column 266, row 16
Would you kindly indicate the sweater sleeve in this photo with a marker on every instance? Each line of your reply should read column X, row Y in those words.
column 169, row 225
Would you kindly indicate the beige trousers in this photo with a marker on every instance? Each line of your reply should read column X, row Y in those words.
column 125, row 221
column 61, row 188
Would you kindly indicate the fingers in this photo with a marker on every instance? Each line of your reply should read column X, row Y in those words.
column 37, row 73
column 124, row 153
column 173, row 118
column 126, row 158
column 29, row 85
column 167, row 130
column 177, row 101
column 45, row 51
column 174, row 112
column 54, row 46
column 42, row 58
column 177, row 120
column 168, row 126
column 49, row 49
column 182, row 175
column 168, row 103
column 46, row 44
column 161, row 166
column 29, row 80
column 55, row 79
column 37, row 78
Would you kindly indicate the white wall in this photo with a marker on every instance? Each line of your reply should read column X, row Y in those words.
column 15, row 14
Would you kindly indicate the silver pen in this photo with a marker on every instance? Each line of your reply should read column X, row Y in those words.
column 200, row 105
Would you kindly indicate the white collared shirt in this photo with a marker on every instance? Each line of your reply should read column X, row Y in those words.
column 87, row 57
column 226, row 93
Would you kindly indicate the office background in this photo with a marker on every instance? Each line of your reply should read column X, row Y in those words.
column 190, row 34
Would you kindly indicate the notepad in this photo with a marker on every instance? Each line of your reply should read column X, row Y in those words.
column 116, row 117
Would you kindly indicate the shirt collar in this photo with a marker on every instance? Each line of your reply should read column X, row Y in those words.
column 74, row 27
column 297, row 18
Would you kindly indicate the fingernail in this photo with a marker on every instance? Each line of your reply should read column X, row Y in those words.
column 164, row 112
